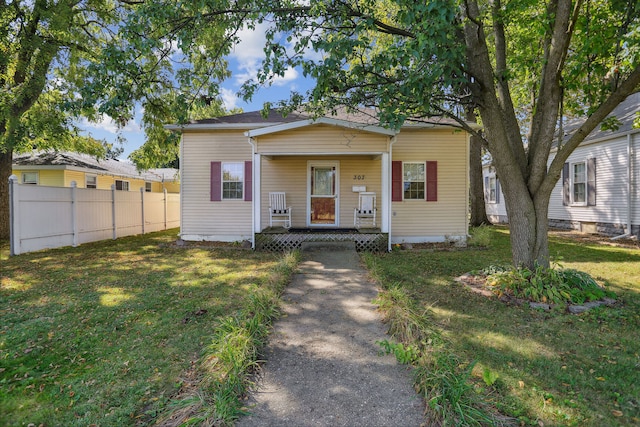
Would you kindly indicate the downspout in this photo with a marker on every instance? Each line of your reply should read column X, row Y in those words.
column 629, row 177
column 392, row 140
column 253, row 193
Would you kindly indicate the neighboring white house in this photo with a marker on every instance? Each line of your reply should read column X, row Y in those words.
column 230, row 165
column 599, row 191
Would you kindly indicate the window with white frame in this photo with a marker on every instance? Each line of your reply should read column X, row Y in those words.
column 30, row 178
column 413, row 177
column 147, row 187
column 493, row 190
column 91, row 181
column 232, row 180
column 579, row 183
column 122, row 185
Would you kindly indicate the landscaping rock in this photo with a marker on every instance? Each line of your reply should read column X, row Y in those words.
column 541, row 305
column 577, row 309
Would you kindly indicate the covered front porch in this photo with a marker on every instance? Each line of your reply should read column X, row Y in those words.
column 280, row 239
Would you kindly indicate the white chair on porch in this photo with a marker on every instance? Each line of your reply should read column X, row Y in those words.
column 365, row 213
column 279, row 212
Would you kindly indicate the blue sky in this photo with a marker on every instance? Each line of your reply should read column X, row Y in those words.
column 243, row 63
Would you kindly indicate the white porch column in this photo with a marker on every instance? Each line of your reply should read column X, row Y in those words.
column 257, row 194
column 385, row 206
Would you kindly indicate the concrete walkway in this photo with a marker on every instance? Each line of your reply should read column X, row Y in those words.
column 323, row 366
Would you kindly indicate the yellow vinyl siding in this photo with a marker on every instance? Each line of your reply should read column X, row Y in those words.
column 321, row 139
column 448, row 215
column 290, row 174
column 172, row 186
column 200, row 216
column 48, row 178
column 76, row 176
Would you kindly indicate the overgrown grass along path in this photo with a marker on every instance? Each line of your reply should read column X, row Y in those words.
column 553, row 368
column 105, row 333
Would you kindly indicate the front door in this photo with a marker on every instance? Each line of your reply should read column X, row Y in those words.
column 322, row 207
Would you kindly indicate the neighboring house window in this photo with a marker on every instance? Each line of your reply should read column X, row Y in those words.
column 413, row 181
column 579, row 183
column 122, row 185
column 147, row 187
column 91, row 181
column 30, row 178
column 231, row 181
column 493, row 189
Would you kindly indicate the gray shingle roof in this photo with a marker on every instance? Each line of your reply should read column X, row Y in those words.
column 122, row 168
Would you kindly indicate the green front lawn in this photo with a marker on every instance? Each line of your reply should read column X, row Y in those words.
column 106, row 333
column 553, row 368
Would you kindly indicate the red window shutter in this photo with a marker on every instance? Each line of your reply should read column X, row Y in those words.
column 396, row 181
column 248, row 181
column 432, row 181
column 216, row 181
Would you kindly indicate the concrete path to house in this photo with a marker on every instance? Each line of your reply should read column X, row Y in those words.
column 323, row 366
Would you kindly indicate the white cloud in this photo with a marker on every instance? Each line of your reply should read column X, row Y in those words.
column 229, row 98
column 290, row 75
column 108, row 125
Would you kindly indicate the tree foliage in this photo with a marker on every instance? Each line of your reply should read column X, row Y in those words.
column 61, row 60
column 525, row 65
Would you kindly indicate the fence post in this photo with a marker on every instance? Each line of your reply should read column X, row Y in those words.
column 74, row 214
column 14, row 218
column 113, row 211
column 142, row 205
column 164, row 190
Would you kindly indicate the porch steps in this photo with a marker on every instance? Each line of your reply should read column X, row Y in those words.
column 327, row 246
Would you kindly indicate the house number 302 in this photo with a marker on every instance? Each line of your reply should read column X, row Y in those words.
column 358, row 177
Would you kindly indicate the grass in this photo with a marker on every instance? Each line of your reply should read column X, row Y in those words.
column 539, row 368
column 108, row 333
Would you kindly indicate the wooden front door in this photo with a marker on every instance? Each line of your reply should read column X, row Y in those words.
column 323, row 194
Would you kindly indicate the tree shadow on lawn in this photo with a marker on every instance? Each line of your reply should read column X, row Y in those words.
column 93, row 334
column 575, row 369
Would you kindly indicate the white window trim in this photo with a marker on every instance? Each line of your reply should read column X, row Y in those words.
column 86, row 181
column 571, row 183
column 123, row 181
column 493, row 182
column 424, row 181
column 31, row 183
column 150, row 184
column 222, row 181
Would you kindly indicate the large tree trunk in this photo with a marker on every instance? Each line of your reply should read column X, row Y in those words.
column 5, row 173
column 476, row 188
column 528, row 225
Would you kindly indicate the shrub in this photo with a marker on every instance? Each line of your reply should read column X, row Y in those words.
column 480, row 236
column 543, row 284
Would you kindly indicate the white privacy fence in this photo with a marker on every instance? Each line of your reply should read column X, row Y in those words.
column 50, row 217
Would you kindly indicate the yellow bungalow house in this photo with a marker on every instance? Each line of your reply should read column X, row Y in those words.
column 232, row 167
column 59, row 169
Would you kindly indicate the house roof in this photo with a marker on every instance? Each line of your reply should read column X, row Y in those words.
column 625, row 112
column 255, row 124
column 87, row 163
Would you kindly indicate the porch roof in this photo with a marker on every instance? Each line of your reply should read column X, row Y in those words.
column 321, row 120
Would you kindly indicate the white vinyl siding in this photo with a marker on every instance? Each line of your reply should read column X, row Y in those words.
column 429, row 221
column 612, row 188
column 201, row 218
